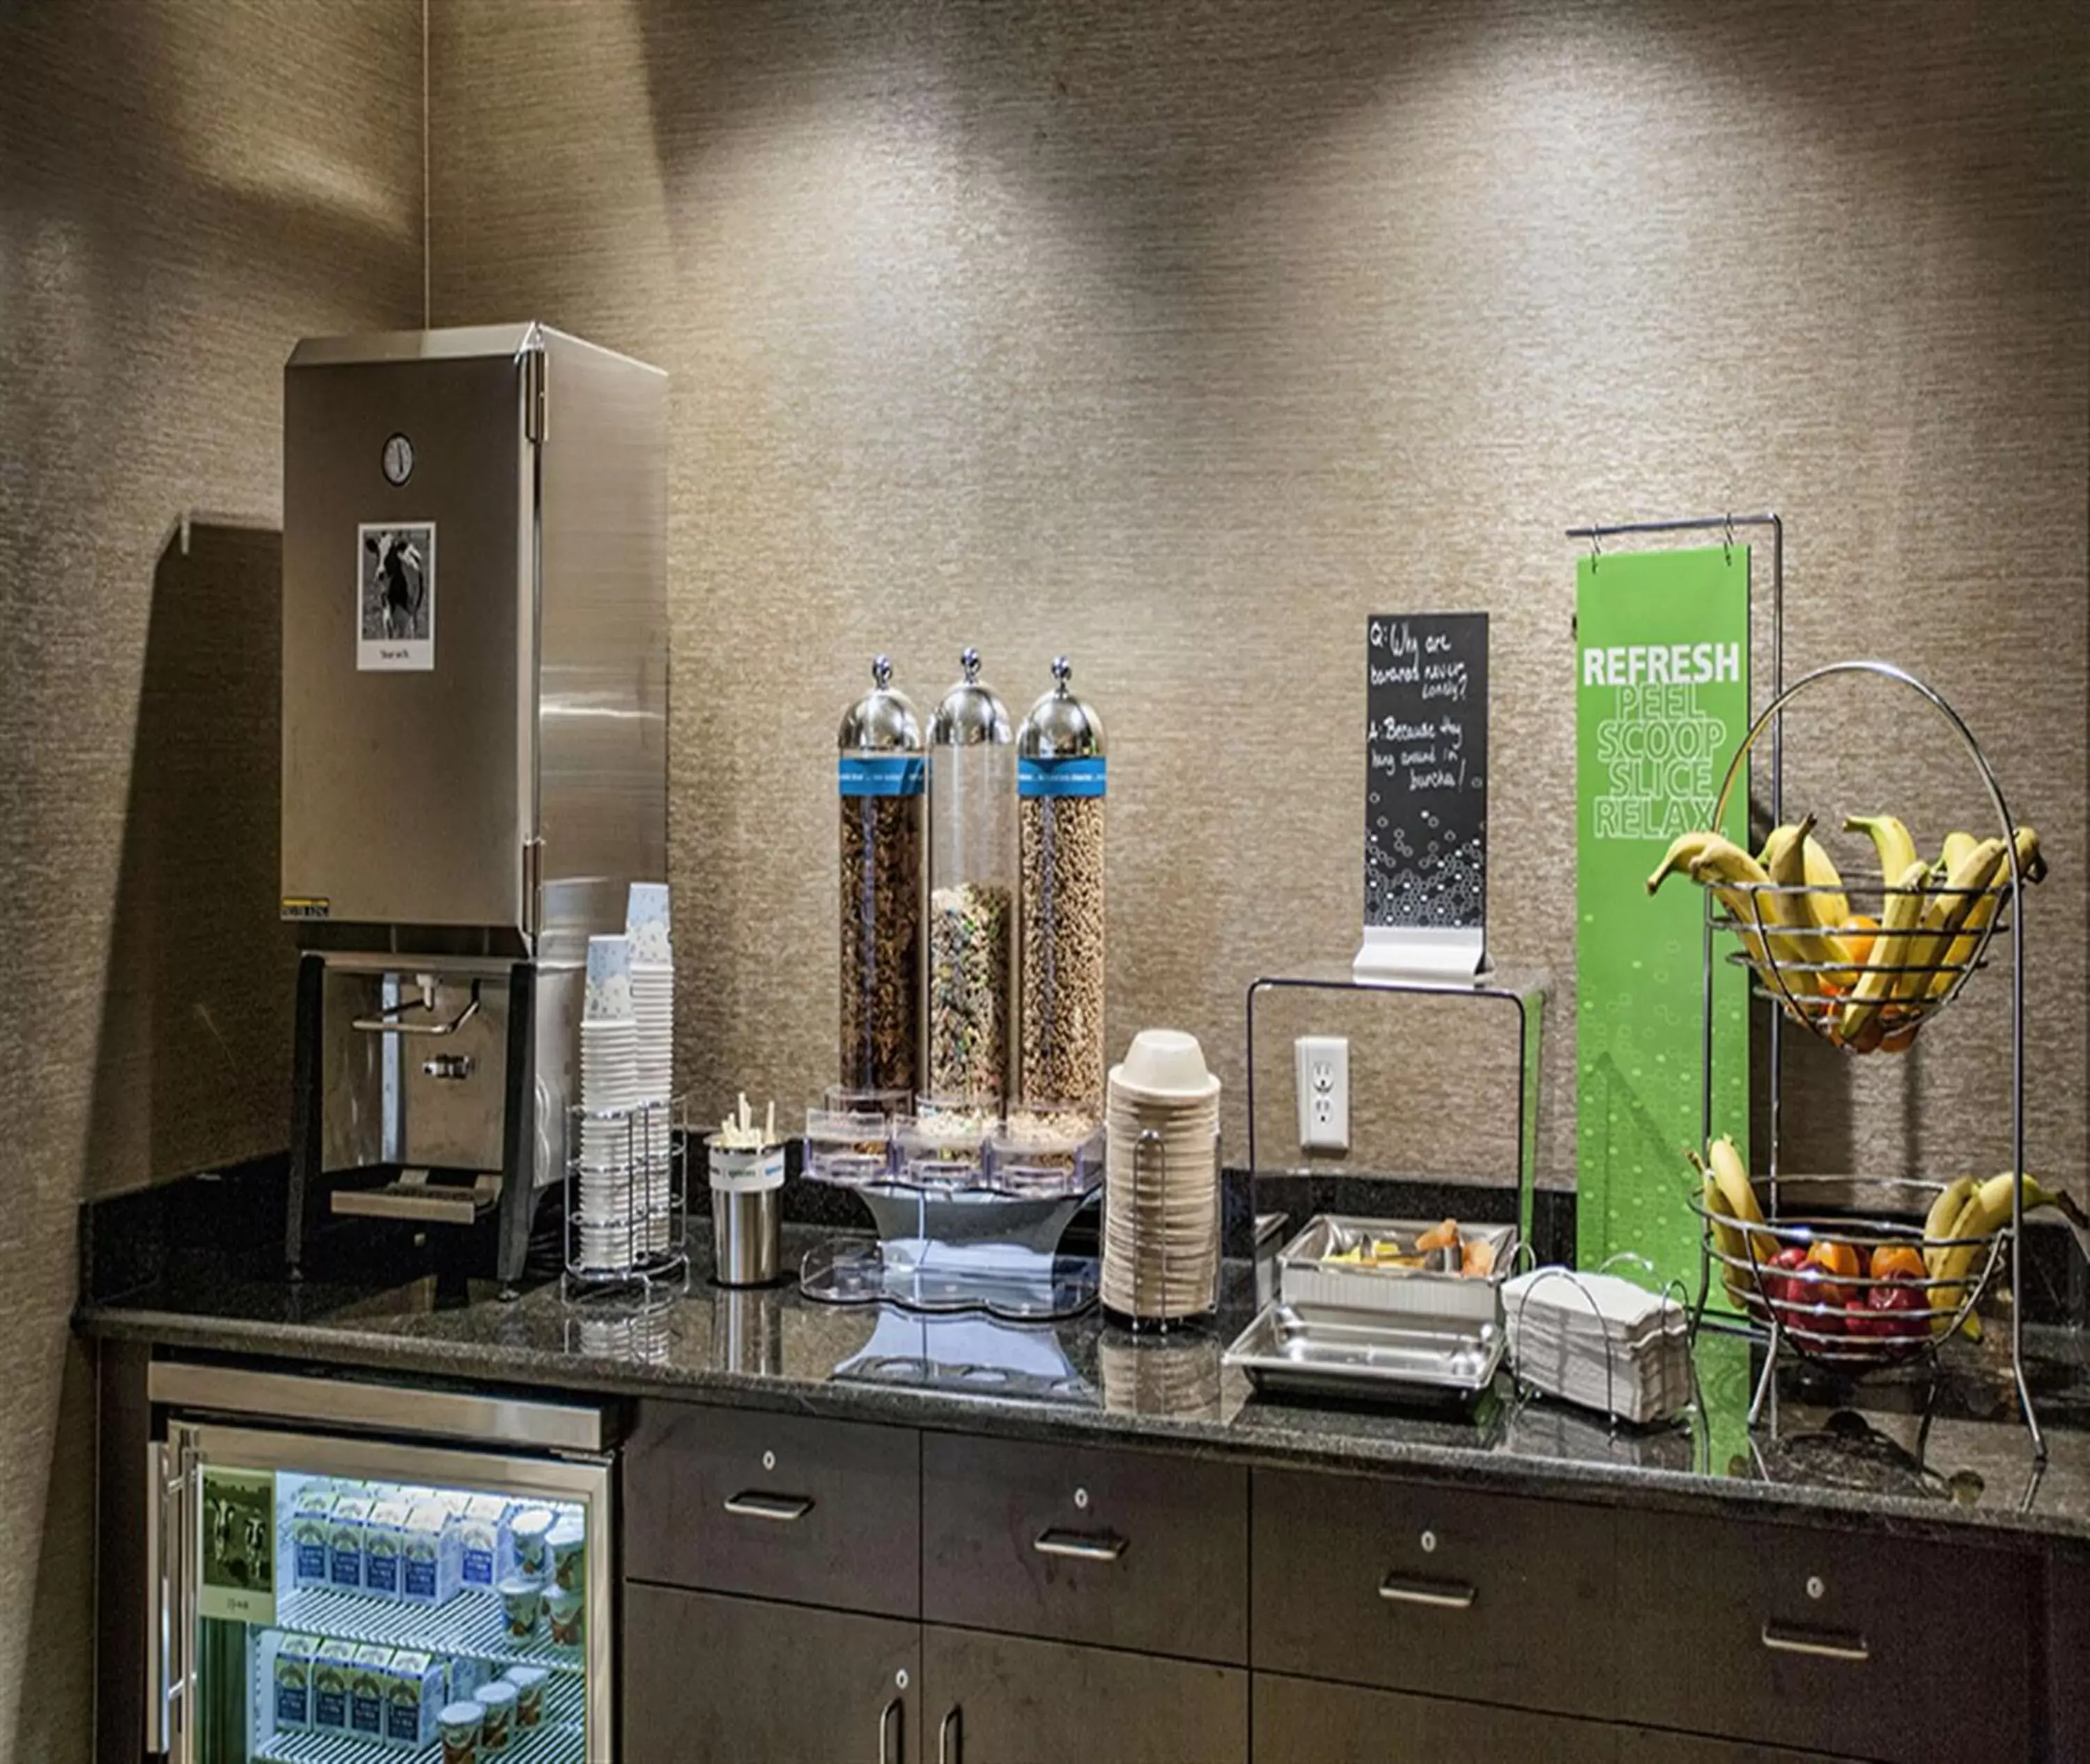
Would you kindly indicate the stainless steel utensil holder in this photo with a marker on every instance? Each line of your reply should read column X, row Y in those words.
column 626, row 1236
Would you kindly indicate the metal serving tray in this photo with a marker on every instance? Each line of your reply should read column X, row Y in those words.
column 1319, row 1351
column 1440, row 1296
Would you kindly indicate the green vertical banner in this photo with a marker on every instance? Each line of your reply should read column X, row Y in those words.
column 1661, row 702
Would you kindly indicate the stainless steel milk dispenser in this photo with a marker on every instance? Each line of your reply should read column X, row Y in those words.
column 474, row 749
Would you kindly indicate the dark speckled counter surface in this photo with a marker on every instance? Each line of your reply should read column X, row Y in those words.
column 1870, row 1460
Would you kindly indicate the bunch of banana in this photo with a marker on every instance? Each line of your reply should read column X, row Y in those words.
column 1956, row 1234
column 1728, row 1195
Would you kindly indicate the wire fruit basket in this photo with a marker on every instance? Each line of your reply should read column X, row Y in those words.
column 1917, row 973
column 1827, row 1316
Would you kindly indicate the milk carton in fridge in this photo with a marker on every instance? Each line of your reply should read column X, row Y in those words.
column 333, row 1665
column 368, row 1680
column 345, row 1526
column 479, row 1540
column 413, row 1696
column 310, row 1510
column 384, row 1547
column 286, row 1667
column 429, row 1557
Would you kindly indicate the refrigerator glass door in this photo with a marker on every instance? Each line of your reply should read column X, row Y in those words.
column 334, row 1594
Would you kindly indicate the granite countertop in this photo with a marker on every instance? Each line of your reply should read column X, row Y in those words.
column 1972, row 1471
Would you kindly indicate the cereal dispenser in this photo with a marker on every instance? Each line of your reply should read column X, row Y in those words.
column 972, row 892
column 1059, row 784
column 879, row 780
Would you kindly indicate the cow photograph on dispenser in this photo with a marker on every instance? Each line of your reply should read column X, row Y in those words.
column 395, row 598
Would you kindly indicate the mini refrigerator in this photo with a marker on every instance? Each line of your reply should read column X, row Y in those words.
column 334, row 1561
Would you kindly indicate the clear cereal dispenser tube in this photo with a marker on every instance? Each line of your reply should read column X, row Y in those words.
column 972, row 894
column 1060, row 786
column 879, row 782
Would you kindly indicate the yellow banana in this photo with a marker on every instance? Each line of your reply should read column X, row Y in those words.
column 1957, row 845
column 1719, row 864
column 1727, row 1239
column 1739, row 1197
column 2031, row 867
column 1826, row 901
column 1901, row 915
column 1889, row 839
column 1943, row 1215
column 1945, row 913
column 1987, row 1209
column 1809, row 953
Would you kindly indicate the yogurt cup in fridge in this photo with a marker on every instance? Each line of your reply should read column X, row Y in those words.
column 459, row 1724
column 566, row 1551
column 529, row 1683
column 521, row 1602
column 498, row 1726
column 566, row 1609
column 529, row 1534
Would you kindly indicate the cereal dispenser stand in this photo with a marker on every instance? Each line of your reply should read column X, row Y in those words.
column 879, row 783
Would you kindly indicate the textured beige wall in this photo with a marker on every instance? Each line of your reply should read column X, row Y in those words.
column 185, row 189
column 1181, row 337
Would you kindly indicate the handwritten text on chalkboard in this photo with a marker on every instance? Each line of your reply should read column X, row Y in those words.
column 1426, row 785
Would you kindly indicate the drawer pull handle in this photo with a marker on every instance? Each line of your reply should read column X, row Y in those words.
column 950, row 1735
column 1083, row 1546
column 1819, row 1644
column 785, row 1509
column 1438, row 1595
column 888, row 1723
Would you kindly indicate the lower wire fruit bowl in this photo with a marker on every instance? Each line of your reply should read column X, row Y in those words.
column 1821, row 1303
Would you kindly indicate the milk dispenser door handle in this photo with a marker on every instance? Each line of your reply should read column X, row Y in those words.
column 394, row 1022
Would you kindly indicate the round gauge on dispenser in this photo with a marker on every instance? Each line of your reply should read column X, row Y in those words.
column 1060, row 784
column 972, row 893
column 879, row 780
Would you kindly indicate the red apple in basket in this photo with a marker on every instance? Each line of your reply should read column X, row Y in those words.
column 1812, row 1284
column 1776, row 1275
column 1898, row 1309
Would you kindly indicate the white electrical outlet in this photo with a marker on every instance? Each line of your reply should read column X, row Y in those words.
column 1323, row 1066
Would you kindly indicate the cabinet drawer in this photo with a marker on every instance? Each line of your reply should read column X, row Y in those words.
column 736, row 1501
column 726, row 1679
column 1875, row 1646
column 996, row 1699
column 1302, row 1722
column 1418, row 1587
column 1125, row 1549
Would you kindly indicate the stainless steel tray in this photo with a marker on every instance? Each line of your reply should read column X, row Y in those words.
column 1319, row 1351
column 1445, row 1297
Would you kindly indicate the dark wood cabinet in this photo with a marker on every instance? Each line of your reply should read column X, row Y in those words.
column 738, row 1500
column 712, row 1680
column 1839, row 1642
column 1421, row 1587
column 1301, row 1722
column 1125, row 1549
column 995, row 1699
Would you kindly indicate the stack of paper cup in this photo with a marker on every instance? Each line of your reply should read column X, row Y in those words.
column 1161, row 1195
column 610, row 1235
column 646, row 925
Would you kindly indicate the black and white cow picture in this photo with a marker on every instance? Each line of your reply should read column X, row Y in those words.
column 401, row 585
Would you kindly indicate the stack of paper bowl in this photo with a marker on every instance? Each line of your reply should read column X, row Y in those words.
column 610, row 1231
column 1161, row 1188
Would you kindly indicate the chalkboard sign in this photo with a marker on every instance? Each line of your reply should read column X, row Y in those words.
column 1426, row 791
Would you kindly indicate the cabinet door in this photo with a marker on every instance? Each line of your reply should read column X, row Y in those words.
column 1298, row 1721
column 710, row 1680
column 991, row 1699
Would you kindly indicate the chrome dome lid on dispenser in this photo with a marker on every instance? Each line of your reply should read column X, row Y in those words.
column 879, row 778
column 1061, row 784
column 972, row 893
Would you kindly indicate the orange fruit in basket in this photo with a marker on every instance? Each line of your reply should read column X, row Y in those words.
column 1860, row 935
column 1833, row 1256
column 1891, row 1259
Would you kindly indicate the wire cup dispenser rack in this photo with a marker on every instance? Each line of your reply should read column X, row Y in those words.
column 1866, row 1213
column 1153, row 1286
column 626, row 1235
